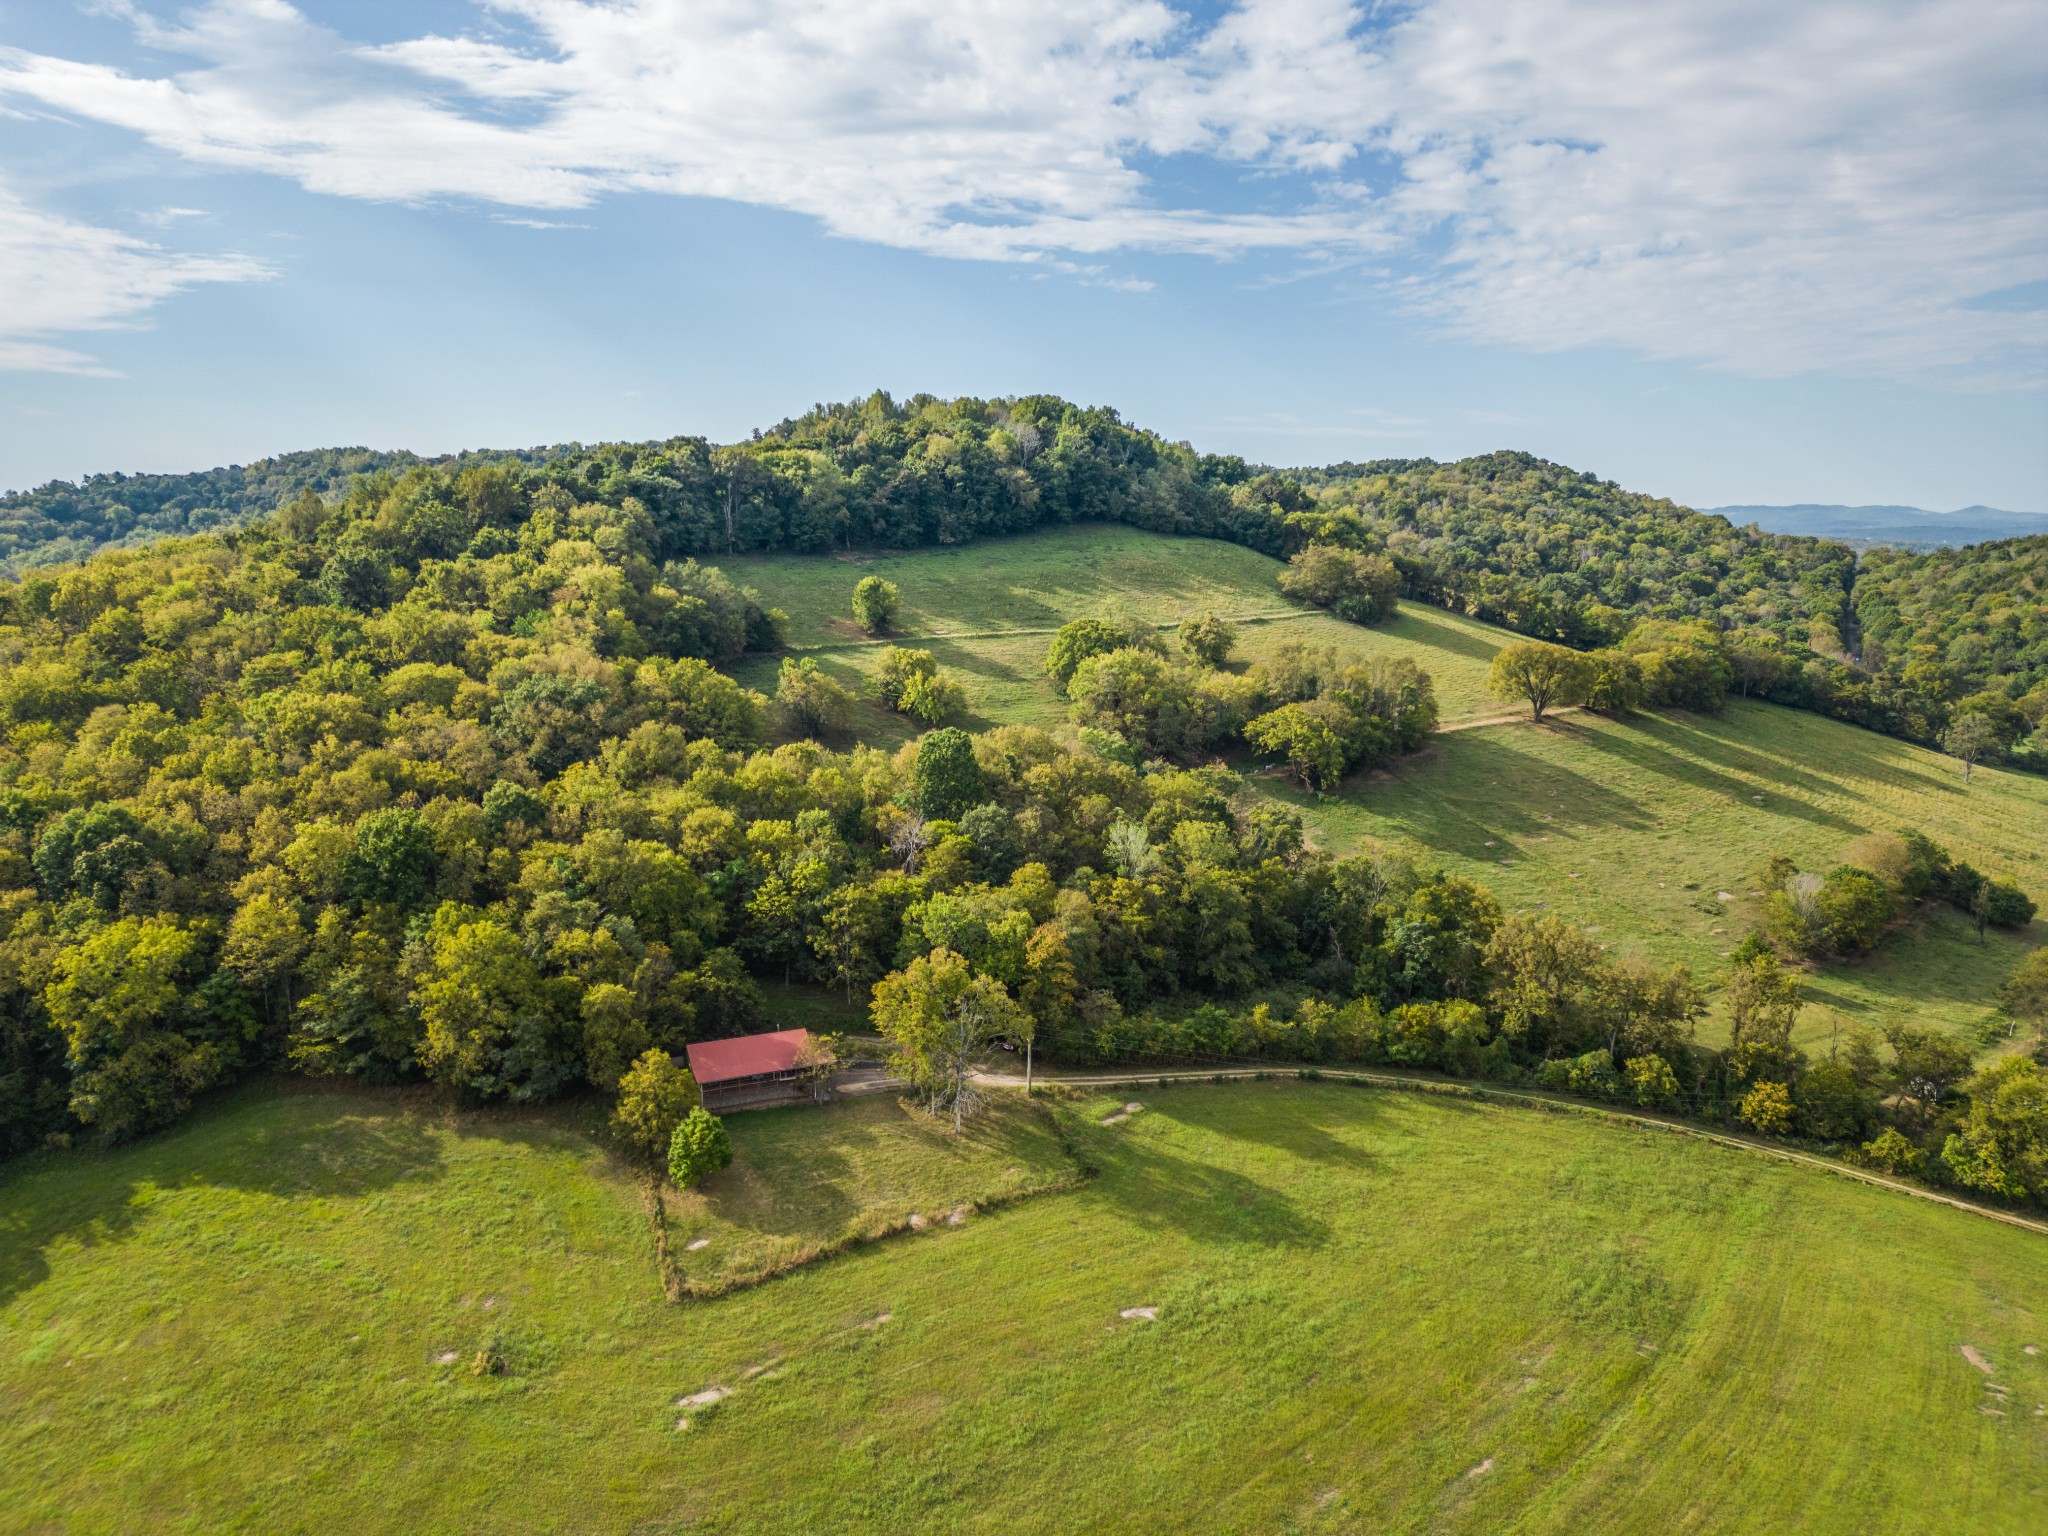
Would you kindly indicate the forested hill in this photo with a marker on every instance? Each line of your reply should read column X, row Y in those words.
column 62, row 522
column 1505, row 536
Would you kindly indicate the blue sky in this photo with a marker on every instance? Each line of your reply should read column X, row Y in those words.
column 1733, row 257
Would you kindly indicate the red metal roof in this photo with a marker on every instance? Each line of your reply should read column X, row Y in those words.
column 720, row 1061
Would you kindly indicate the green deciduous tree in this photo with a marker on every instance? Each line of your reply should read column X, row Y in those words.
column 1351, row 584
column 876, row 604
column 654, row 1097
column 1543, row 676
column 1208, row 639
column 810, row 702
column 1305, row 737
column 1969, row 739
column 699, row 1148
column 939, row 1015
column 119, row 1001
column 946, row 779
column 2025, row 994
column 1763, row 1003
column 392, row 860
column 1076, row 642
column 493, row 1029
column 1547, row 976
column 2002, row 1145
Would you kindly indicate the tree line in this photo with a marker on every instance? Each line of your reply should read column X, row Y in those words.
column 1903, row 643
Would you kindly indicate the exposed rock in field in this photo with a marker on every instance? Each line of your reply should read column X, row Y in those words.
column 1482, row 1469
column 446, row 1357
column 1976, row 1359
column 1724, row 895
column 919, row 1221
column 1145, row 1313
column 705, row 1398
column 696, row 1243
column 957, row 1217
column 877, row 1320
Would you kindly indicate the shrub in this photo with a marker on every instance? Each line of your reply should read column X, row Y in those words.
column 911, row 683
column 1591, row 1075
column 1651, row 1081
column 698, row 1148
column 1766, row 1108
column 1890, row 1152
column 928, row 700
column 1851, row 909
column 875, row 604
column 2007, row 906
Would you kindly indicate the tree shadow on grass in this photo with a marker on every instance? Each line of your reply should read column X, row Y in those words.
column 1855, row 752
column 1292, row 1127
column 328, row 1146
column 765, row 1191
column 1640, row 749
column 1433, row 628
column 1159, row 1190
column 1504, row 794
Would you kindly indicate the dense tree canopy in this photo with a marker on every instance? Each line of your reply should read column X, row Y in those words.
column 1900, row 642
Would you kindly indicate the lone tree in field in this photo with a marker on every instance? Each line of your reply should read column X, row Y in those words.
column 939, row 1015
column 1208, row 639
column 1971, row 737
column 875, row 604
column 698, row 1149
column 654, row 1097
column 1540, row 674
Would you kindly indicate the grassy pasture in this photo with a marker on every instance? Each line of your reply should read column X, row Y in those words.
column 1376, row 1312
column 1630, row 827
column 806, row 1178
column 987, row 611
column 1635, row 828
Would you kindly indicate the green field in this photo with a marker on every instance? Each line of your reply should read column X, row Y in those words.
column 806, row 1180
column 1375, row 1312
column 987, row 612
column 1629, row 827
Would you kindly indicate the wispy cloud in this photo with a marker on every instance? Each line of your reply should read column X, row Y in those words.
column 1762, row 187
column 59, row 276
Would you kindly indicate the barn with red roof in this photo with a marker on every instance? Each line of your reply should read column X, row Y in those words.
column 748, row 1068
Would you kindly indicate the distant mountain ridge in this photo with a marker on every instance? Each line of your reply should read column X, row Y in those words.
column 1905, row 527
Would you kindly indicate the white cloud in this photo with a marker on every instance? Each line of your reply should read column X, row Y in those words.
column 1763, row 187
column 59, row 276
